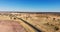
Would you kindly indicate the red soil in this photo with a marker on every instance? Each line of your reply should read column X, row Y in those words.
column 10, row 26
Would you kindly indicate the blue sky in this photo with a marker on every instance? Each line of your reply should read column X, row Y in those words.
column 30, row 5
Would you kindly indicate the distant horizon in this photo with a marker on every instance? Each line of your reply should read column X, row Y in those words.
column 24, row 11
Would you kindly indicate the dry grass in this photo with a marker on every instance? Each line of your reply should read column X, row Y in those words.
column 44, row 22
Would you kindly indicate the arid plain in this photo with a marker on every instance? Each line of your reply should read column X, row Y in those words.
column 33, row 22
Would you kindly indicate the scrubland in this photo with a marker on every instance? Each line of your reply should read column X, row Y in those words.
column 44, row 22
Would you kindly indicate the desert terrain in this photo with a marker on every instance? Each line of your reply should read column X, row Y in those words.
column 30, row 22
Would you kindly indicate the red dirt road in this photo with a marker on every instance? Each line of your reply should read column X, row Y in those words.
column 10, row 26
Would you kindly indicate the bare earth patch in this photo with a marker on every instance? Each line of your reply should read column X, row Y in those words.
column 10, row 26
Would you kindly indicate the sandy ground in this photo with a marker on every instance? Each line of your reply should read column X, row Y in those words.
column 10, row 26
column 44, row 22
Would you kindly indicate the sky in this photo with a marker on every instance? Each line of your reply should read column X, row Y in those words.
column 30, row 5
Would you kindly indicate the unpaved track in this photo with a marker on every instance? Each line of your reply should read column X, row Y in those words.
column 37, row 30
column 10, row 26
